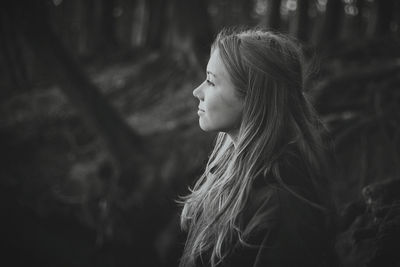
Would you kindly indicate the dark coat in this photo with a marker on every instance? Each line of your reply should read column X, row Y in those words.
column 291, row 232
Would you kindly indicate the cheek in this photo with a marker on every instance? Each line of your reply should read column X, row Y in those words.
column 215, row 107
column 221, row 114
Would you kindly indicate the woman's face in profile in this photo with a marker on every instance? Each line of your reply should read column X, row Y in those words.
column 219, row 108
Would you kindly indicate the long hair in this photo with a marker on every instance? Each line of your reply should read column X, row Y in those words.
column 266, row 70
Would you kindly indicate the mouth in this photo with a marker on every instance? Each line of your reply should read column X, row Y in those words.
column 202, row 110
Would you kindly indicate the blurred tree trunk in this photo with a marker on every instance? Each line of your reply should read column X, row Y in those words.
column 108, row 23
column 12, row 54
column 354, row 26
column 397, row 17
column 140, row 23
column 301, row 22
column 86, row 27
column 384, row 17
column 124, row 25
column 273, row 14
column 331, row 24
column 359, row 23
column 190, row 32
column 234, row 13
column 93, row 16
column 246, row 7
column 81, row 28
column 156, row 23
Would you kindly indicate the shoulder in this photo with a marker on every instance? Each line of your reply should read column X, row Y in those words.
column 273, row 206
column 281, row 231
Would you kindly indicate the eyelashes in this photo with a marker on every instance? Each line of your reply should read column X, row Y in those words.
column 210, row 83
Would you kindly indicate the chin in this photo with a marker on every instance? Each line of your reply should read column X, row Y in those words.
column 204, row 126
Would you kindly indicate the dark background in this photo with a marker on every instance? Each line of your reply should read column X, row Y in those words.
column 99, row 134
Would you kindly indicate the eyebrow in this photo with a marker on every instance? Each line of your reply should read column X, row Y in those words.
column 209, row 72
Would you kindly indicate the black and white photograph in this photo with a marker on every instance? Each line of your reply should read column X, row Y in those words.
column 200, row 133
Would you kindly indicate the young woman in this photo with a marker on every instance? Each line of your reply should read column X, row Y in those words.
column 263, row 199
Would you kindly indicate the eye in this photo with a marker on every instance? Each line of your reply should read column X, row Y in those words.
column 210, row 83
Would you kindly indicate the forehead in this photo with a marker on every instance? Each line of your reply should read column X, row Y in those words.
column 216, row 66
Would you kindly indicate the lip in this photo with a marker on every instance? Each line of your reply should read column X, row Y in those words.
column 200, row 111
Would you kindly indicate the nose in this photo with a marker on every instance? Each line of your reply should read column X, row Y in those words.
column 198, row 92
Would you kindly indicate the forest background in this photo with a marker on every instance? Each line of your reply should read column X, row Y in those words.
column 99, row 133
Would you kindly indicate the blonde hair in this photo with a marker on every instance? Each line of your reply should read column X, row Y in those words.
column 266, row 69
